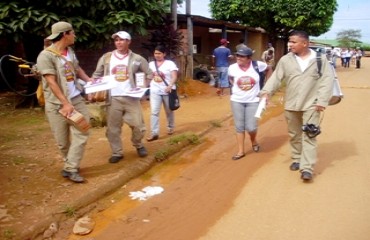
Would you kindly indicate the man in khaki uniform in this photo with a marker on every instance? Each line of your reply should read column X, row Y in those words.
column 124, row 65
column 307, row 94
column 60, row 72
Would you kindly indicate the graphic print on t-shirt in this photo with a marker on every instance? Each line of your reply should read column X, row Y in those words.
column 158, row 77
column 246, row 83
column 120, row 72
column 70, row 76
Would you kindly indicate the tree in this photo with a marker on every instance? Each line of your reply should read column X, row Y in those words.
column 29, row 21
column 349, row 38
column 278, row 17
column 166, row 36
column 94, row 21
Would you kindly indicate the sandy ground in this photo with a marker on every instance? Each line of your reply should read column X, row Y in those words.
column 208, row 196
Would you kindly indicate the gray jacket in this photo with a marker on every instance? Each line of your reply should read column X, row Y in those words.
column 303, row 89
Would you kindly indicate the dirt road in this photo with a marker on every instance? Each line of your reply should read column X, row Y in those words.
column 208, row 196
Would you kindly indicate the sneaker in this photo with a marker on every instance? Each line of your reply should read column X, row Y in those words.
column 170, row 131
column 294, row 166
column 115, row 159
column 142, row 152
column 306, row 176
column 73, row 176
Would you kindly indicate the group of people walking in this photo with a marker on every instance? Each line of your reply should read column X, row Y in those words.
column 61, row 79
column 307, row 94
column 347, row 56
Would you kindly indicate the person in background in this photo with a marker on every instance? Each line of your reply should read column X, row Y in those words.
column 244, row 98
column 270, row 47
column 220, row 60
column 241, row 44
column 343, row 57
column 60, row 71
column 358, row 54
column 163, row 71
column 334, row 55
column 125, row 65
column 268, row 58
column 347, row 56
column 307, row 94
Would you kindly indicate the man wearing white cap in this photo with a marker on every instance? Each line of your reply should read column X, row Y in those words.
column 124, row 65
column 60, row 72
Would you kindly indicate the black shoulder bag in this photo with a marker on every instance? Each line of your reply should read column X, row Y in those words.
column 173, row 98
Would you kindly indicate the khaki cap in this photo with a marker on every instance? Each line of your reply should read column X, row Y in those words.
column 58, row 28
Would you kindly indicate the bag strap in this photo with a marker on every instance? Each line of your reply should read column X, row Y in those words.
column 156, row 67
column 60, row 55
column 262, row 76
column 319, row 62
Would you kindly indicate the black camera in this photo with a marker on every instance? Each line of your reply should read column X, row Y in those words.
column 311, row 130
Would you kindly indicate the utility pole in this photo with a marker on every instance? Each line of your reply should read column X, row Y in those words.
column 189, row 69
column 174, row 13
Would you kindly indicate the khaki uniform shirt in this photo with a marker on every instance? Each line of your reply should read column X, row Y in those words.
column 50, row 63
column 303, row 89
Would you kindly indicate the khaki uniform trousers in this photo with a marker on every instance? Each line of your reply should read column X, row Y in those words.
column 303, row 148
column 124, row 110
column 71, row 142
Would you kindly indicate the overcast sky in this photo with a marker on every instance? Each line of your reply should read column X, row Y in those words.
column 351, row 14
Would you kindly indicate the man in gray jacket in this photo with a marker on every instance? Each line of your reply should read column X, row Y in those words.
column 307, row 94
column 124, row 65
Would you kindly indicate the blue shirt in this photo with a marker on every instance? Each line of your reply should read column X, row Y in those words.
column 222, row 56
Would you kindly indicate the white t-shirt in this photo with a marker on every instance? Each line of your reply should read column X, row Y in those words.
column 246, row 83
column 73, row 91
column 118, row 68
column 303, row 63
column 157, row 85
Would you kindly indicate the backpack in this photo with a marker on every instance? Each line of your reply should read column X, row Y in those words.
column 261, row 74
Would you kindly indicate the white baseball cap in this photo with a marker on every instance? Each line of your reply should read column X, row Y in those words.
column 122, row 35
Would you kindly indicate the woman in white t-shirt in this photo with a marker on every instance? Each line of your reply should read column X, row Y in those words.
column 163, row 82
column 245, row 80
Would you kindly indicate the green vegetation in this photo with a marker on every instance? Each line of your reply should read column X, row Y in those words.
column 216, row 123
column 8, row 234
column 280, row 17
column 18, row 160
column 174, row 144
column 69, row 211
column 94, row 22
column 186, row 137
column 349, row 38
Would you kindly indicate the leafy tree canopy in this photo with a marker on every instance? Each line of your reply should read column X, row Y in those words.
column 94, row 21
column 278, row 17
column 349, row 38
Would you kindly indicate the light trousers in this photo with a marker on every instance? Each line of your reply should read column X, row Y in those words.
column 156, row 102
column 303, row 148
column 71, row 142
column 124, row 110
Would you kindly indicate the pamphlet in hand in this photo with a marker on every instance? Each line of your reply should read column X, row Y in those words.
column 135, row 92
column 101, row 84
column 261, row 108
